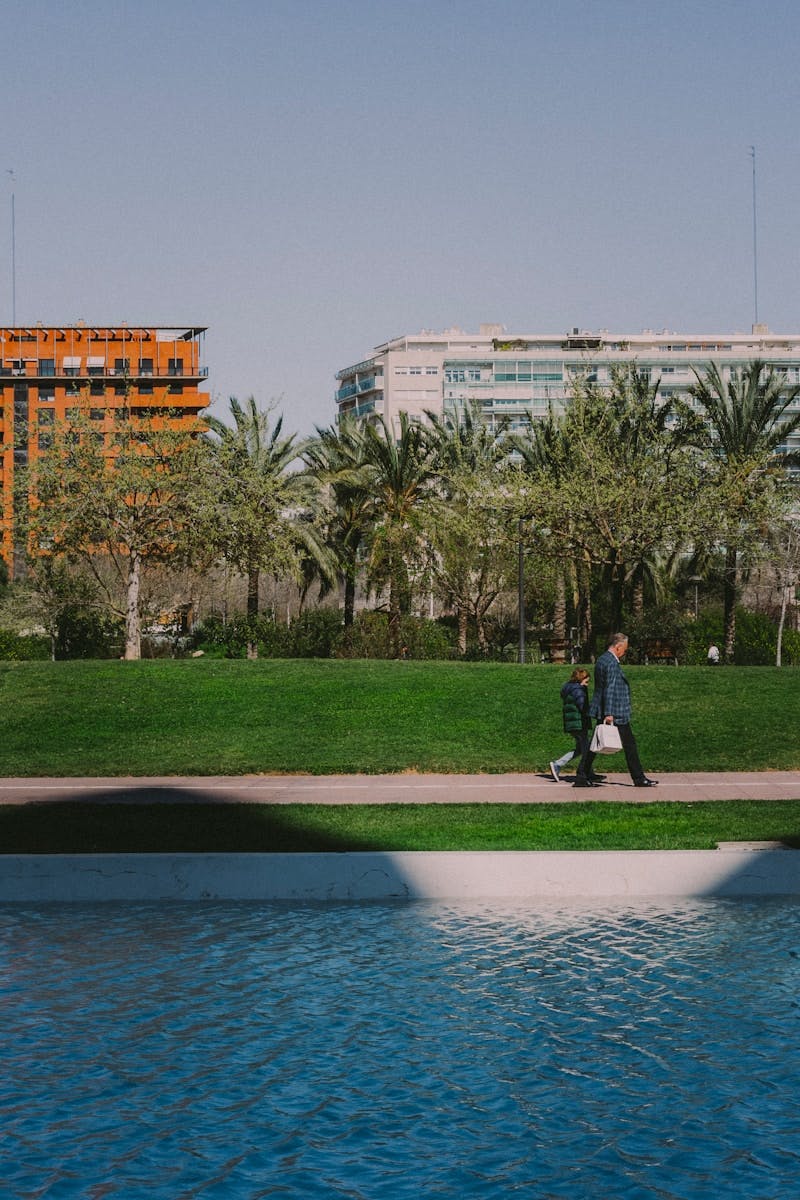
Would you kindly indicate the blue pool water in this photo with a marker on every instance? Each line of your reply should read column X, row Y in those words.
column 391, row 1051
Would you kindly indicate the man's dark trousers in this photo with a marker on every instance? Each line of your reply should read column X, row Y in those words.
column 585, row 768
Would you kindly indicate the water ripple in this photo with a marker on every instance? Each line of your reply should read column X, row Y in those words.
column 384, row 1051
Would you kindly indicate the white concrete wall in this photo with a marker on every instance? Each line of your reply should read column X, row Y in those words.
column 525, row 875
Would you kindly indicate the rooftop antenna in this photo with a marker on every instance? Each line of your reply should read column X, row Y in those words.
column 755, row 242
column 13, row 253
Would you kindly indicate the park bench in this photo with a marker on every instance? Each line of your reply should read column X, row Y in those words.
column 656, row 650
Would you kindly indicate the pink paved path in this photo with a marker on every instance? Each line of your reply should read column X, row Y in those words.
column 401, row 789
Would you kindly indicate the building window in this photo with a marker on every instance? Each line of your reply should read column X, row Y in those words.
column 46, row 416
column 46, row 395
column 47, row 366
column 431, row 370
column 145, row 366
column 175, row 366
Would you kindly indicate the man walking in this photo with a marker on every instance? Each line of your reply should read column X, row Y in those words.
column 611, row 703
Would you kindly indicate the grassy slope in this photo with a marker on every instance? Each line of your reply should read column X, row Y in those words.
column 211, row 717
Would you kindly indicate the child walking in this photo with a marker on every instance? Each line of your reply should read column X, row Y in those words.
column 575, row 705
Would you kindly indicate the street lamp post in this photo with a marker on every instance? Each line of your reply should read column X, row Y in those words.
column 695, row 579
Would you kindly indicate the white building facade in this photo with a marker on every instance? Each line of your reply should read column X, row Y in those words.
column 516, row 377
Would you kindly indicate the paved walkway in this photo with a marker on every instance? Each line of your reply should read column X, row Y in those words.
column 400, row 789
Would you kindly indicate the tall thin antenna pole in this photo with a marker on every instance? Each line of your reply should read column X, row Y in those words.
column 755, row 241
column 13, row 254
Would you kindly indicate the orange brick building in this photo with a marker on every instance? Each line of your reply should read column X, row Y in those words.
column 43, row 371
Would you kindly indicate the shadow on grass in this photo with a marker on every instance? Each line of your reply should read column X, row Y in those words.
column 167, row 820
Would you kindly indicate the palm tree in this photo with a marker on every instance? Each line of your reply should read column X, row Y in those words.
column 335, row 457
column 399, row 474
column 546, row 449
column 259, row 505
column 467, row 527
column 748, row 421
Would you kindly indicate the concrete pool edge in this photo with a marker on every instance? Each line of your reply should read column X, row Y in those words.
column 734, row 869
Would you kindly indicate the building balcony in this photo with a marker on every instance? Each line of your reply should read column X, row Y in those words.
column 51, row 373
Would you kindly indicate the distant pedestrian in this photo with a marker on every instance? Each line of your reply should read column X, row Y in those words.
column 713, row 655
column 611, row 704
column 575, row 714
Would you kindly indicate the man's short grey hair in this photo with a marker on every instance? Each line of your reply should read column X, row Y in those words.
column 614, row 639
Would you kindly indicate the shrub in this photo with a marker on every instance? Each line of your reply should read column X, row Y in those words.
column 316, row 633
column 23, row 647
column 369, row 638
column 231, row 638
column 667, row 623
column 86, row 633
column 756, row 639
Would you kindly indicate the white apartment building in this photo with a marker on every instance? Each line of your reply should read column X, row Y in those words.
column 518, row 376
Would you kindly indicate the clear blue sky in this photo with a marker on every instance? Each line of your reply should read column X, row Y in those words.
column 312, row 177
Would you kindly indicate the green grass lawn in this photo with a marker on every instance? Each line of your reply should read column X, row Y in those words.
column 209, row 717
column 139, row 828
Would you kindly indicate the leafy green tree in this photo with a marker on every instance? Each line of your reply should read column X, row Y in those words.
column 618, row 484
column 122, row 494
column 748, row 419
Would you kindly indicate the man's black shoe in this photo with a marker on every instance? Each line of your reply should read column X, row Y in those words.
column 584, row 783
column 646, row 783
column 597, row 778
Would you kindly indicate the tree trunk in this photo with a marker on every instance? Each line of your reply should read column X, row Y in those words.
column 730, row 592
column 560, row 609
column 253, row 577
column 617, row 579
column 462, row 629
column 586, row 621
column 482, row 639
column 781, row 623
column 349, row 599
column 133, row 630
column 253, row 580
column 394, row 615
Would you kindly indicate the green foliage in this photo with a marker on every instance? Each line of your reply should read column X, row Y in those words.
column 316, row 633
column 756, row 639
column 701, row 633
column 665, row 623
column 371, row 637
column 18, row 647
column 254, row 503
column 232, row 638
column 86, row 633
